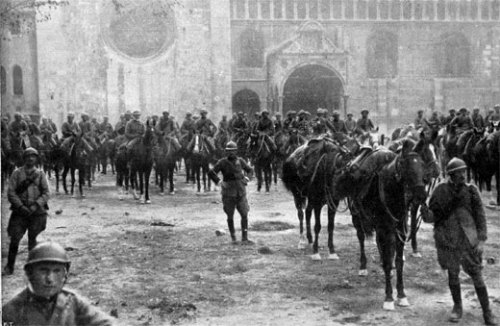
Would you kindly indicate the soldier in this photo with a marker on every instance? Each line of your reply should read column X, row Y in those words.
column 87, row 130
column 319, row 123
column 18, row 126
column 188, row 126
column 462, row 122
column 420, row 121
column 134, row 130
column 154, row 120
column 350, row 124
column 45, row 300
column 290, row 121
column 233, row 189
column 303, row 124
column 339, row 129
column 364, row 124
column 70, row 130
column 206, row 128
column 495, row 116
column 5, row 134
column 460, row 232
column 45, row 126
column 477, row 119
column 165, row 125
column 105, row 127
column 54, row 127
column 28, row 195
column 278, row 123
column 120, row 125
column 239, row 126
column 447, row 120
column 265, row 128
column 434, row 124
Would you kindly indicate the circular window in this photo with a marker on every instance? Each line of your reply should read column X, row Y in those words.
column 139, row 31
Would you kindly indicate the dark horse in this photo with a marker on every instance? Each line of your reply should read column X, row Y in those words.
column 308, row 174
column 140, row 161
column 166, row 159
column 77, row 159
column 381, row 189
column 200, row 157
column 263, row 156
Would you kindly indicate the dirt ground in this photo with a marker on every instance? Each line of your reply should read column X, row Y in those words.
column 163, row 264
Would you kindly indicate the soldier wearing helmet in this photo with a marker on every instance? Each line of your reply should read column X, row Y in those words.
column 28, row 195
column 457, row 212
column 290, row 122
column 206, row 128
column 188, row 127
column 69, row 130
column 239, row 126
column 265, row 128
column 134, row 130
column 233, row 189
column 364, row 124
column 45, row 300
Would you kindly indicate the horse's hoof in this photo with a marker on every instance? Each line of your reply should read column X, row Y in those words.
column 363, row 272
column 73, row 196
column 147, row 202
column 404, row 257
column 162, row 193
column 416, row 254
column 403, row 302
column 333, row 256
column 389, row 305
column 172, row 193
column 82, row 195
column 316, row 256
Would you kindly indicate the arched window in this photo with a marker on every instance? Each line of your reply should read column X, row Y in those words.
column 453, row 56
column 251, row 49
column 382, row 55
column 17, row 74
column 3, row 79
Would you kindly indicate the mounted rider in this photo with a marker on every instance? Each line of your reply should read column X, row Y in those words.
column 303, row 124
column 134, row 130
column 320, row 124
column 167, row 129
column 462, row 122
column 339, row 129
column 88, row 132
column 420, row 121
column 120, row 125
column 206, row 128
column 46, row 129
column 70, row 130
column 477, row 119
column 265, row 128
column 105, row 129
column 290, row 122
column 278, row 123
column 223, row 125
column 364, row 124
column 19, row 128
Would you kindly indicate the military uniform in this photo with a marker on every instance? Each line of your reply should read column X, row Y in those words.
column 477, row 120
column 365, row 124
column 165, row 126
column 133, row 131
column 462, row 123
column 27, row 187
column 303, row 126
column 16, row 127
column 66, row 309
column 233, row 190
column 205, row 127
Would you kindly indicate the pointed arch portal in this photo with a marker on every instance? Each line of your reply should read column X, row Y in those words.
column 311, row 87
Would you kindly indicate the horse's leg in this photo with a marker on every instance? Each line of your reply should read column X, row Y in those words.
column 386, row 244
column 160, row 173
column 356, row 222
column 72, row 172
column 413, row 230
column 308, row 223
column 402, row 300
column 171, row 178
column 197, row 172
column 64, row 175
column 317, row 230
column 258, row 172
column 300, row 214
column 147, row 175
column 268, row 176
column 332, row 255
column 204, row 177
column 81, row 180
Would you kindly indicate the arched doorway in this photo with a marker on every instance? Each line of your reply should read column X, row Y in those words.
column 311, row 87
column 246, row 101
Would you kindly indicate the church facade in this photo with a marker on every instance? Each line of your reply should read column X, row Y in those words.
column 392, row 57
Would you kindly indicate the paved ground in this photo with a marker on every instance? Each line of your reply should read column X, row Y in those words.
column 163, row 263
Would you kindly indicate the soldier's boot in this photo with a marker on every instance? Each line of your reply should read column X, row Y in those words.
column 11, row 260
column 244, row 231
column 456, row 313
column 482, row 295
column 230, row 225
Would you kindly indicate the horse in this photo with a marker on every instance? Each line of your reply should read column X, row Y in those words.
column 122, row 171
column 488, row 149
column 425, row 149
column 308, row 175
column 381, row 189
column 106, row 152
column 221, row 140
column 241, row 138
column 465, row 150
column 76, row 159
column 140, row 162
column 185, row 153
column 166, row 160
column 200, row 159
column 263, row 156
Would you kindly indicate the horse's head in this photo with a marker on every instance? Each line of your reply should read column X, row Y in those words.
column 427, row 152
column 148, row 138
column 410, row 168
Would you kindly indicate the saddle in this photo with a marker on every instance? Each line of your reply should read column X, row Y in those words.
column 369, row 162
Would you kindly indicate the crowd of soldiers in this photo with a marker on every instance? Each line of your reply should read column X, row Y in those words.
column 130, row 127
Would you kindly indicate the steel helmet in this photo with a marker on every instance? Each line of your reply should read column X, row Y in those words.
column 49, row 252
column 455, row 164
column 231, row 146
column 30, row 151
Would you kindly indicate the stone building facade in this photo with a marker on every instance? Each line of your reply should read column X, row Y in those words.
column 392, row 57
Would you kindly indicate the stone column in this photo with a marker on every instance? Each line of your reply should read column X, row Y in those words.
column 401, row 8
column 412, row 12
column 435, row 9
column 307, row 8
column 259, row 9
column 295, row 10
column 247, row 9
column 355, row 9
column 478, row 12
column 377, row 8
column 446, row 12
column 271, row 10
column 469, row 10
column 342, row 9
column 331, row 8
